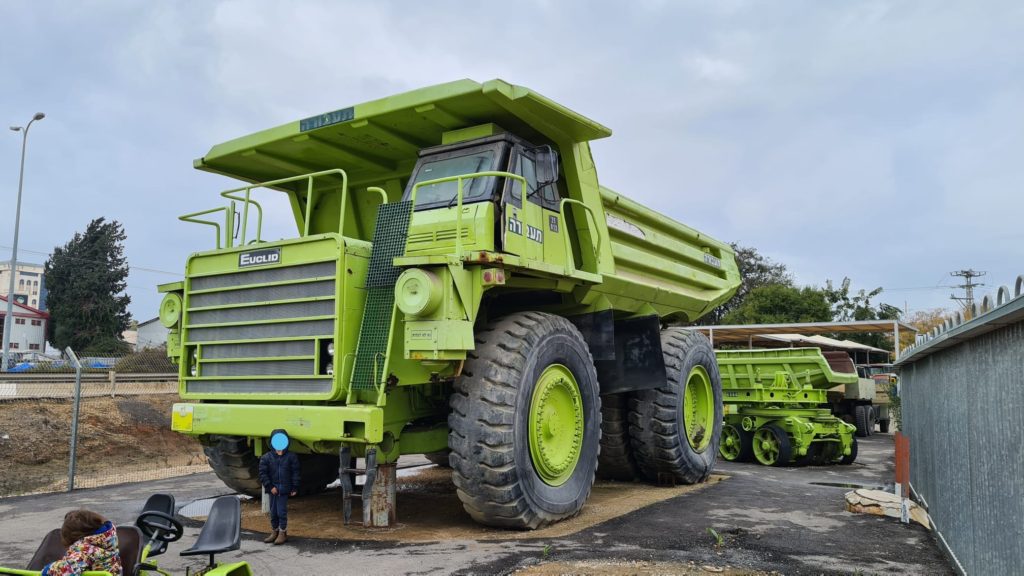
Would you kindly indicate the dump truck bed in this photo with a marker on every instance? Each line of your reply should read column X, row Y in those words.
column 647, row 262
column 740, row 368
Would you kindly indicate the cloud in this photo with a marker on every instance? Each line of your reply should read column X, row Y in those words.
column 878, row 140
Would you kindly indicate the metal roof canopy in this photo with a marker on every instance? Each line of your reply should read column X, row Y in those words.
column 746, row 333
column 821, row 342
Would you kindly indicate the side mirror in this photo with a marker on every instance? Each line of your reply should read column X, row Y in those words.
column 547, row 164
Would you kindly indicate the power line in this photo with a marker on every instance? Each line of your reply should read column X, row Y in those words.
column 89, row 261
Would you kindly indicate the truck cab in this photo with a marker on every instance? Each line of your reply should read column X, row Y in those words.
column 503, row 214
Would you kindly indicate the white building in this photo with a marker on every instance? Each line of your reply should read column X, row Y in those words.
column 151, row 334
column 28, row 331
column 28, row 284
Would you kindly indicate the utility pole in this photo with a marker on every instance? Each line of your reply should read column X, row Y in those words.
column 967, row 300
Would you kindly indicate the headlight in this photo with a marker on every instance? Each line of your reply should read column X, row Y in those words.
column 330, row 349
column 418, row 292
column 194, row 370
column 330, row 370
column 170, row 310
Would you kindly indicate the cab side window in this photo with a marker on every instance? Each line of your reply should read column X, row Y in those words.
column 546, row 197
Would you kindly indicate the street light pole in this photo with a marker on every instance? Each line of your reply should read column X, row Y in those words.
column 9, row 318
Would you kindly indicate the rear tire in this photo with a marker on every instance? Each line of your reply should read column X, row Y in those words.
column 616, row 459
column 883, row 426
column 861, row 420
column 668, row 442
column 519, row 459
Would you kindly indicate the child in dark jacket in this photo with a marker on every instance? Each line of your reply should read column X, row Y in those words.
column 279, row 475
column 92, row 545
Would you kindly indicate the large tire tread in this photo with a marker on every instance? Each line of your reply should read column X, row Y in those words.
column 236, row 464
column 659, row 444
column 616, row 459
column 483, row 417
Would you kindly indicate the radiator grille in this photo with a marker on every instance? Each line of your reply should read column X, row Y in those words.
column 264, row 314
column 269, row 386
column 256, row 313
column 319, row 269
column 263, row 294
column 259, row 349
column 279, row 330
column 278, row 368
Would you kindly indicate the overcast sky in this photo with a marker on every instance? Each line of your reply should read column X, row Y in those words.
column 878, row 140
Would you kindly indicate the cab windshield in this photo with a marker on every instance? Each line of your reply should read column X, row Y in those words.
column 443, row 193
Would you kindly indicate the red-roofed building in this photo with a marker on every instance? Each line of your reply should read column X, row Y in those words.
column 28, row 331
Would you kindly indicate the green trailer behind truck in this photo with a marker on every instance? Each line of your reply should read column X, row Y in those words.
column 776, row 410
column 458, row 282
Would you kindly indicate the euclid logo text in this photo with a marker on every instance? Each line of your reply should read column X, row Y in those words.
column 259, row 257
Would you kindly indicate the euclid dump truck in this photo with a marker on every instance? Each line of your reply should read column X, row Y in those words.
column 458, row 283
column 773, row 406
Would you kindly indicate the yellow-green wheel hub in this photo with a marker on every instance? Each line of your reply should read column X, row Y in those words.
column 556, row 425
column 766, row 447
column 698, row 409
column 730, row 446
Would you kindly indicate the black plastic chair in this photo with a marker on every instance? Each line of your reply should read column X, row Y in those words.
column 129, row 546
column 222, row 531
column 156, row 503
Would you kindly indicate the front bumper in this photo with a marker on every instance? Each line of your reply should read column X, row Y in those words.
column 307, row 424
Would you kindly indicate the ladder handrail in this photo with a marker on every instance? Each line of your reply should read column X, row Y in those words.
column 243, row 194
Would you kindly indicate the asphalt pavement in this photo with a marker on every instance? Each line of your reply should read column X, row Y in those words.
column 786, row 520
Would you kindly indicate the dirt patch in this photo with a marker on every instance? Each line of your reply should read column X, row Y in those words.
column 119, row 440
column 429, row 510
column 633, row 568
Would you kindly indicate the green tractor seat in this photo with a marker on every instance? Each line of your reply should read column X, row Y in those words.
column 156, row 503
column 222, row 531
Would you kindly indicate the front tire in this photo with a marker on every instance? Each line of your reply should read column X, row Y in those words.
column 235, row 463
column 525, row 423
column 675, row 429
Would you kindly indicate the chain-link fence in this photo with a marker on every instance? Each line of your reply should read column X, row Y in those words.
column 84, row 421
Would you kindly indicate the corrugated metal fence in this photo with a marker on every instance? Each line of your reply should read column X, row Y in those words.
column 962, row 392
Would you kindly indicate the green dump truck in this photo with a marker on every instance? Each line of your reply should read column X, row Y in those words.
column 773, row 406
column 458, row 283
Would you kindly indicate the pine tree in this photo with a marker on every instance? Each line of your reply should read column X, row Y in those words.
column 85, row 280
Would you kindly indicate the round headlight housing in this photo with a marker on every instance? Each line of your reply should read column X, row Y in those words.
column 418, row 292
column 170, row 310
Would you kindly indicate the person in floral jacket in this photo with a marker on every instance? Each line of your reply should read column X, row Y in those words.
column 92, row 545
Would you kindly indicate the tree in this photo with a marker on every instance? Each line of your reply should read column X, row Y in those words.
column 923, row 321
column 847, row 307
column 778, row 303
column 755, row 271
column 85, row 280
